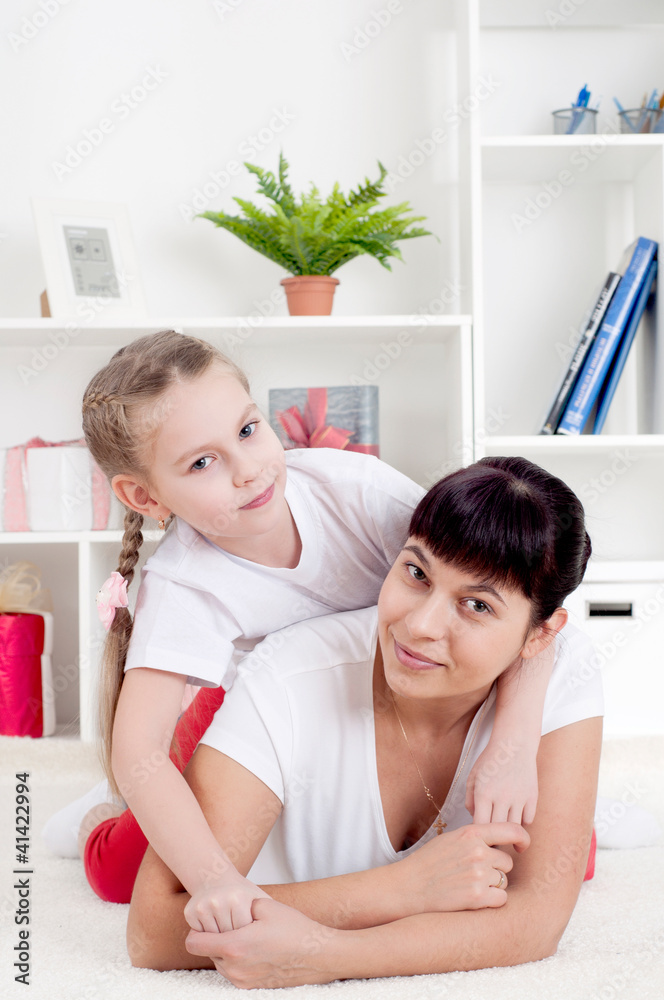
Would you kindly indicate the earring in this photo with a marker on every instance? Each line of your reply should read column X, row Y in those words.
column 161, row 524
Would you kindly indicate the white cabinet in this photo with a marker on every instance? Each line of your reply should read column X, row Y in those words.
column 537, row 222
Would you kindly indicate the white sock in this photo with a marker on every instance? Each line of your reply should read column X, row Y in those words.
column 60, row 833
column 619, row 824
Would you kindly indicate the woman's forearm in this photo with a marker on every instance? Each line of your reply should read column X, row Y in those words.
column 441, row 942
column 283, row 948
column 455, row 872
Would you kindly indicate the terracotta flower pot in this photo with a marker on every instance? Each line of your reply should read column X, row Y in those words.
column 310, row 294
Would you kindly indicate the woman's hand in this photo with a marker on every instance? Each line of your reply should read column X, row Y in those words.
column 281, row 947
column 502, row 785
column 224, row 905
column 459, row 870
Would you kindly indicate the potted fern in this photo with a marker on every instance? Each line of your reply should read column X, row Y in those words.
column 311, row 238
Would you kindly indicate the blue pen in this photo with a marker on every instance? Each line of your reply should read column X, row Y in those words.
column 624, row 117
column 577, row 116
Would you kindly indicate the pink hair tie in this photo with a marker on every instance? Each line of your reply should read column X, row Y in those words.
column 112, row 595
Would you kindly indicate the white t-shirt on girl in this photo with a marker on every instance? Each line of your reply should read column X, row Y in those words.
column 197, row 605
column 304, row 725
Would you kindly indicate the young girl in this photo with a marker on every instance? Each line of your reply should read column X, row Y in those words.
column 260, row 540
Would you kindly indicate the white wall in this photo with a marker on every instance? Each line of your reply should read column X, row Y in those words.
column 223, row 71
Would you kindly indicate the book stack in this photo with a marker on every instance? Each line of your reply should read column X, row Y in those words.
column 589, row 382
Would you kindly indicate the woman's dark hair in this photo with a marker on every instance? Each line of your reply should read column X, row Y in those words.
column 511, row 522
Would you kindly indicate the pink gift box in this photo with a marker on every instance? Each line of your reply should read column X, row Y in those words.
column 335, row 417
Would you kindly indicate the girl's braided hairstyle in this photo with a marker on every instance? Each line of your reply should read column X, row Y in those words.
column 124, row 406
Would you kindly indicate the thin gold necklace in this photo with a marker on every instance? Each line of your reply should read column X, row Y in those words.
column 439, row 825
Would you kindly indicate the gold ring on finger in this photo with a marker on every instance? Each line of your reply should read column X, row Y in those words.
column 503, row 880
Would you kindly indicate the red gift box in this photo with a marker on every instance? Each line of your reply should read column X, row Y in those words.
column 27, row 707
column 21, row 648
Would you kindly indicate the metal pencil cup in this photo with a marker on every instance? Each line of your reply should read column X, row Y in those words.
column 575, row 121
column 641, row 120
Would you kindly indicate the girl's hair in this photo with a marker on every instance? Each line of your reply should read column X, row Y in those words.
column 124, row 406
column 512, row 523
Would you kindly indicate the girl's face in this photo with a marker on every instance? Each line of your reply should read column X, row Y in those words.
column 444, row 632
column 216, row 462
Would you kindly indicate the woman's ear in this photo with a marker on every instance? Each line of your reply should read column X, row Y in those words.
column 544, row 635
column 134, row 494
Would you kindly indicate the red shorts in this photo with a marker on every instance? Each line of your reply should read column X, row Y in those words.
column 115, row 848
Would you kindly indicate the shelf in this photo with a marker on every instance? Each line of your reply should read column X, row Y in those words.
column 610, row 571
column 542, row 14
column 69, row 537
column 249, row 330
column 562, row 444
column 535, row 159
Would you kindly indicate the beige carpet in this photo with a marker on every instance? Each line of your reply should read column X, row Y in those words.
column 613, row 948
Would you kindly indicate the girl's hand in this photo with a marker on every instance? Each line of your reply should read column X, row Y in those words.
column 280, row 948
column 502, row 786
column 223, row 906
column 459, row 870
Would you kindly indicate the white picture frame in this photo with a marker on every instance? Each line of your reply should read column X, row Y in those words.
column 89, row 260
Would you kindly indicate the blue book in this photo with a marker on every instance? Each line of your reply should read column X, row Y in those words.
column 588, row 334
column 599, row 360
column 609, row 387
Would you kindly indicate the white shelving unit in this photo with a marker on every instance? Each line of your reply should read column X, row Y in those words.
column 540, row 220
column 551, row 216
column 422, row 365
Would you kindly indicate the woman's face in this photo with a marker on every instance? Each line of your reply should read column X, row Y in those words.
column 444, row 632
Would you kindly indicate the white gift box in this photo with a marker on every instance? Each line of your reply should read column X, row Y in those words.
column 3, row 455
column 48, row 693
column 59, row 489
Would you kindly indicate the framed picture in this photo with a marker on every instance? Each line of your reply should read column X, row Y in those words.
column 89, row 259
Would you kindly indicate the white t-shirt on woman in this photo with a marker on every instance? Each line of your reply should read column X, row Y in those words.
column 304, row 724
column 197, row 603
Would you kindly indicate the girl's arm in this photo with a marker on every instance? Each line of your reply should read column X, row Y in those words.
column 282, row 947
column 165, row 806
column 502, row 784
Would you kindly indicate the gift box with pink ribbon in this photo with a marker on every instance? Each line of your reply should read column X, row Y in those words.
column 54, row 486
column 344, row 416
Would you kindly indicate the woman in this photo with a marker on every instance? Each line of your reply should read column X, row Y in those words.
column 329, row 778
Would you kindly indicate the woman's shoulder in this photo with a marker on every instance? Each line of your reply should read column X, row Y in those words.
column 315, row 645
column 337, row 466
column 575, row 688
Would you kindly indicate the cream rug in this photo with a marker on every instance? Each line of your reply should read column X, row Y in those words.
column 613, row 948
